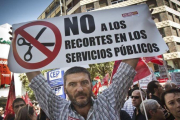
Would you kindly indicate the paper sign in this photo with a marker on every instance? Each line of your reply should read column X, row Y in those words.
column 55, row 77
column 176, row 78
column 85, row 38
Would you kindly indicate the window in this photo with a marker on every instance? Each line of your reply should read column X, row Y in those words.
column 90, row 7
column 170, row 16
column 174, row 6
column 167, row 3
column 161, row 30
column 103, row 3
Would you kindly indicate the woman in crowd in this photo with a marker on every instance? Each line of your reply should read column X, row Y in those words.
column 26, row 113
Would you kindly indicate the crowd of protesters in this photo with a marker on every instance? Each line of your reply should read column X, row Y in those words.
column 156, row 103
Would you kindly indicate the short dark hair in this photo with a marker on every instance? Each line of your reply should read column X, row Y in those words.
column 151, row 85
column 76, row 70
column 25, row 113
column 167, row 92
column 18, row 100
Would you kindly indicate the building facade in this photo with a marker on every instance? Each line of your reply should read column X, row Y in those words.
column 166, row 15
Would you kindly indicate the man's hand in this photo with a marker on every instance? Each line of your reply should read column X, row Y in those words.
column 31, row 75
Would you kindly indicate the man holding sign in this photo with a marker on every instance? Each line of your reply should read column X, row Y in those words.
column 78, row 87
column 85, row 38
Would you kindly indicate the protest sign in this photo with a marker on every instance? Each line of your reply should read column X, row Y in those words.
column 162, row 71
column 55, row 80
column 175, row 77
column 85, row 38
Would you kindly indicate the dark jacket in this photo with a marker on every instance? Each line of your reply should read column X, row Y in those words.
column 140, row 116
column 124, row 115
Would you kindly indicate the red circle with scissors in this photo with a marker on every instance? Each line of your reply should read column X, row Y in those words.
column 51, row 55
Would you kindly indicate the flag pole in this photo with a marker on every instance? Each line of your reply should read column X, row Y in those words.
column 164, row 63
column 142, row 101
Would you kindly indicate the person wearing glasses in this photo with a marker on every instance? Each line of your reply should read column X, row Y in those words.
column 154, row 111
column 136, row 101
column 17, row 104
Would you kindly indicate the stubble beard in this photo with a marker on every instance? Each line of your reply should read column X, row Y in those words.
column 82, row 104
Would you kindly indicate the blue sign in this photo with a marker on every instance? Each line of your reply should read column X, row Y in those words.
column 59, row 91
column 55, row 77
column 55, row 80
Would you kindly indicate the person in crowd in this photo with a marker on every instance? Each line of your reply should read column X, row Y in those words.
column 171, row 101
column 148, row 94
column 136, row 101
column 124, row 115
column 26, row 113
column 154, row 111
column 156, row 90
column 1, row 113
column 17, row 104
column 78, row 87
column 170, row 85
column 128, row 107
column 42, row 116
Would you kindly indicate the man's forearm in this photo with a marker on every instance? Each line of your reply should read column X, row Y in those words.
column 133, row 62
column 31, row 75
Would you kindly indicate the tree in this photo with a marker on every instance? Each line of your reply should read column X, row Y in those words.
column 100, row 69
column 25, row 83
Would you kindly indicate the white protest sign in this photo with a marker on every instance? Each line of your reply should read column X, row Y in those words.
column 176, row 78
column 85, row 38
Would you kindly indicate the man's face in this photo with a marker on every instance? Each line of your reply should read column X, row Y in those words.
column 136, row 98
column 159, row 89
column 78, row 88
column 17, row 106
column 173, row 104
column 159, row 114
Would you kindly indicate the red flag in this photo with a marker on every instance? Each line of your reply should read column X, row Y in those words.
column 11, row 98
column 142, row 70
column 27, row 100
column 105, row 79
column 96, row 88
column 97, row 78
column 157, row 59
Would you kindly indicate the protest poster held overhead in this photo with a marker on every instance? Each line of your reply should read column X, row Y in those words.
column 85, row 38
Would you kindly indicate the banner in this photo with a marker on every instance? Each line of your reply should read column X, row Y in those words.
column 142, row 70
column 5, row 73
column 156, row 60
column 11, row 98
column 175, row 77
column 85, row 38
column 56, row 81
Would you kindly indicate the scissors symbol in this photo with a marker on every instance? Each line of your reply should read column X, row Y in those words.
column 21, row 41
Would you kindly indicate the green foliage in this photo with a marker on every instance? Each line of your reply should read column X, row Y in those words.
column 25, row 83
column 100, row 69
